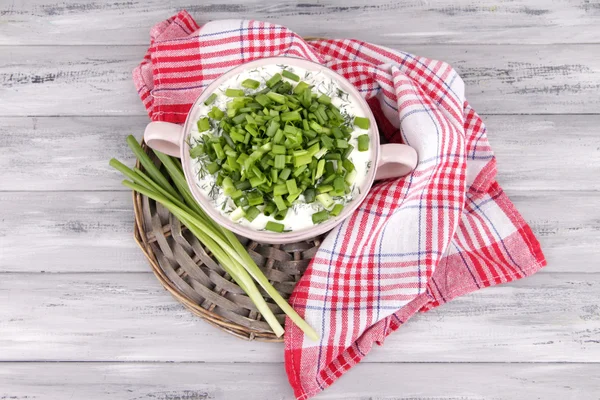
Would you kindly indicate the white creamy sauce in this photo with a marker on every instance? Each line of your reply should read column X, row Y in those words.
column 299, row 216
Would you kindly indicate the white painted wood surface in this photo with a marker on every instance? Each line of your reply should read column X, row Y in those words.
column 381, row 21
column 75, row 290
column 500, row 79
column 48, row 235
column 130, row 317
column 134, row 381
column 39, row 151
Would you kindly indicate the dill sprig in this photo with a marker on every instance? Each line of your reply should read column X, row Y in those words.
column 214, row 191
column 342, row 95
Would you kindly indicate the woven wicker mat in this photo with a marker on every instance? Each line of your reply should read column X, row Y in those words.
column 193, row 277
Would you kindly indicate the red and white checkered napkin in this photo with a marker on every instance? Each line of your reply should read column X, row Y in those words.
column 415, row 243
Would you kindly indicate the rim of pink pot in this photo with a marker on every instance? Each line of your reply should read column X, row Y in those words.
column 296, row 235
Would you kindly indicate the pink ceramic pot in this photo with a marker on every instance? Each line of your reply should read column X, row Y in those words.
column 391, row 160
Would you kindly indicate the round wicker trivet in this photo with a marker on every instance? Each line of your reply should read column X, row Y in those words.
column 193, row 277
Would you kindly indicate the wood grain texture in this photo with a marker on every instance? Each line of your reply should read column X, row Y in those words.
column 544, row 152
column 411, row 21
column 65, row 153
column 68, row 231
column 129, row 317
column 135, row 381
column 74, row 287
column 39, row 152
column 503, row 79
column 92, row 231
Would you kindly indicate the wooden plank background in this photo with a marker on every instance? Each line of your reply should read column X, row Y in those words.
column 500, row 79
column 82, row 317
column 264, row 381
column 393, row 23
column 128, row 317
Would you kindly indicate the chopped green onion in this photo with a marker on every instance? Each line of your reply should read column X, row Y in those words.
column 237, row 214
column 242, row 185
column 250, row 84
column 272, row 129
column 278, row 149
column 276, row 97
column 302, row 160
column 285, row 173
column 257, row 181
column 321, row 153
column 314, row 149
column 203, row 124
column 336, row 210
column 324, row 188
column 274, row 227
column 280, row 216
column 238, row 137
column 273, row 80
column 341, row 143
column 251, row 213
column 252, row 130
column 324, row 99
column 279, row 142
column 339, row 184
column 197, row 151
column 263, row 100
column 309, row 195
column 278, row 200
column 320, row 216
column 241, row 201
column 333, row 156
column 363, row 142
column 291, row 186
column 279, row 161
column 269, row 209
column 301, row 87
column 278, row 136
column 325, row 200
column 347, row 151
column 351, row 177
column 300, row 170
column 211, row 99
column 327, row 142
column 219, row 151
column 212, row 167
column 280, row 190
column 329, row 179
column 255, row 198
column 216, row 114
column 362, row 123
column 293, row 196
column 291, row 129
column 238, row 119
column 228, row 186
column 290, row 75
column 234, row 92
column 348, row 166
column 329, row 169
column 291, row 116
column 320, row 169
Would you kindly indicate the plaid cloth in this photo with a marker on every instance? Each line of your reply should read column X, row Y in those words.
column 415, row 243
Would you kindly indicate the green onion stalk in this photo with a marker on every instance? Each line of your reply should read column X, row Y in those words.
column 222, row 243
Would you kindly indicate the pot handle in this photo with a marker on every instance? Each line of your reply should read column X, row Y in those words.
column 164, row 137
column 395, row 160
